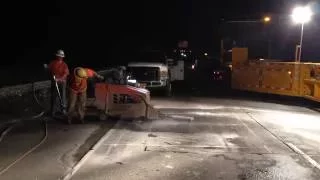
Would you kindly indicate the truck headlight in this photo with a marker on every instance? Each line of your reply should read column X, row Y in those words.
column 132, row 81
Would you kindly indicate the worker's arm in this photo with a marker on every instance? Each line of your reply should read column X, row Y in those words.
column 49, row 67
column 92, row 73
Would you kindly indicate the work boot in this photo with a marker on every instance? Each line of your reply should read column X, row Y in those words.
column 69, row 120
column 53, row 114
column 64, row 112
column 82, row 120
column 81, row 117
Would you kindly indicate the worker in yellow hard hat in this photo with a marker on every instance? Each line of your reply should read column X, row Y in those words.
column 78, row 91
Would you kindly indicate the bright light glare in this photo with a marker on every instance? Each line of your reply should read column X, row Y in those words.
column 301, row 14
column 132, row 81
column 267, row 19
column 206, row 54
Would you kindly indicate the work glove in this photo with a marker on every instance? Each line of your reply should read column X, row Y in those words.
column 100, row 77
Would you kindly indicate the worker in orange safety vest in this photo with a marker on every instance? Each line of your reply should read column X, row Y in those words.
column 78, row 91
column 59, row 72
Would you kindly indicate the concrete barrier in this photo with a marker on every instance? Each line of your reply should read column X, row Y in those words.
column 19, row 90
column 23, row 100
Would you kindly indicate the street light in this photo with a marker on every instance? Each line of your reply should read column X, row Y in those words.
column 266, row 19
column 301, row 15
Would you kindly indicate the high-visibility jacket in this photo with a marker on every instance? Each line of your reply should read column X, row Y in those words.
column 78, row 84
column 59, row 69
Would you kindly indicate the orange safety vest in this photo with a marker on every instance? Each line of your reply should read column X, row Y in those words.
column 78, row 84
column 59, row 68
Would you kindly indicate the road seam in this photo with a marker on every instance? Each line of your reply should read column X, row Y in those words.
column 79, row 164
column 265, row 147
column 294, row 148
column 304, row 155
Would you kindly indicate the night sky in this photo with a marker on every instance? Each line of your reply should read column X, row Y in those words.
column 98, row 33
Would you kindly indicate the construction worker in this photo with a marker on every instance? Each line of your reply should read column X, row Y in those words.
column 78, row 91
column 122, row 75
column 59, row 73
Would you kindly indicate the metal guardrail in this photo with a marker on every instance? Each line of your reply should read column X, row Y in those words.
column 19, row 90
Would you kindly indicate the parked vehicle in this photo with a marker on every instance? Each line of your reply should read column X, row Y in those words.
column 150, row 69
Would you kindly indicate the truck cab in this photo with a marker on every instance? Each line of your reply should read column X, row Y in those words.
column 150, row 69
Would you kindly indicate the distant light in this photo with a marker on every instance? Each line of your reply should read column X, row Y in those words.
column 206, row 54
column 193, row 66
column 289, row 72
column 261, row 59
column 267, row 19
column 132, row 81
column 301, row 14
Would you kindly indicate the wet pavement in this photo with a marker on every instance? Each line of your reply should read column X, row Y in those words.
column 207, row 138
column 64, row 146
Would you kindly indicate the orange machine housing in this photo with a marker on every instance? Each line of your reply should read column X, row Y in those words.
column 122, row 100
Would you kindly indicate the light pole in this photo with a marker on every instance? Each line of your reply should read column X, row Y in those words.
column 301, row 15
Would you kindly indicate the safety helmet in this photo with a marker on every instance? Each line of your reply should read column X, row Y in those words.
column 60, row 53
column 81, row 72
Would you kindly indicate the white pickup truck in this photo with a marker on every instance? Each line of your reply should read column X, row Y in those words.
column 155, row 76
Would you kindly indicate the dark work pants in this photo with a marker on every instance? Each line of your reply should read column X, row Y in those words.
column 55, row 101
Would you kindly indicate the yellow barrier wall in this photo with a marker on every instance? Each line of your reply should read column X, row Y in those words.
column 280, row 78
column 246, row 77
column 310, row 81
column 284, row 78
column 274, row 78
column 239, row 56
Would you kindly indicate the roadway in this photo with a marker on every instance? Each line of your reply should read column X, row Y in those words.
column 38, row 149
column 209, row 138
column 192, row 138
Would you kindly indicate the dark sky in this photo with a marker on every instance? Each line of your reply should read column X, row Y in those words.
column 104, row 32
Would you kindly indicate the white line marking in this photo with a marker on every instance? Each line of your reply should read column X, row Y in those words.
column 267, row 148
column 305, row 156
column 115, row 144
column 78, row 165
column 182, row 117
column 182, row 146
column 252, row 132
column 245, row 125
column 291, row 146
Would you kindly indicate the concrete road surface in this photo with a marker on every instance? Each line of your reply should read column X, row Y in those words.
column 210, row 139
column 65, row 145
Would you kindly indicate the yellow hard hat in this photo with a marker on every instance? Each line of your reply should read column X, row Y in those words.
column 81, row 72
